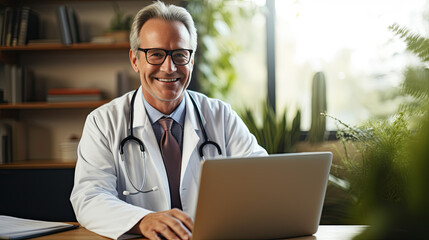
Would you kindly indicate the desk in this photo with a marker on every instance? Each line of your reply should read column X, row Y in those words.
column 325, row 232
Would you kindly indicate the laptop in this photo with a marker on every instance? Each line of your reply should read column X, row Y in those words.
column 268, row 197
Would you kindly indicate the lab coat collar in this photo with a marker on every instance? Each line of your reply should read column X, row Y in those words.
column 190, row 136
column 140, row 115
column 191, row 113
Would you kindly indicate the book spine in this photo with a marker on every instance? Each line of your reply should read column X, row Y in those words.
column 74, row 28
column 16, row 25
column 2, row 21
column 22, row 36
column 5, row 143
column 123, row 84
column 28, row 88
column 32, row 27
column 8, row 29
column 64, row 25
column 17, row 89
column 7, row 83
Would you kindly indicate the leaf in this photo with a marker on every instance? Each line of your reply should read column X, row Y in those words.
column 273, row 133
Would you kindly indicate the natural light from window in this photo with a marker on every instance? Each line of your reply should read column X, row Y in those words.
column 349, row 41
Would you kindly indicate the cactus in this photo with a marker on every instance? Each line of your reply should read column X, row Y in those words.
column 318, row 106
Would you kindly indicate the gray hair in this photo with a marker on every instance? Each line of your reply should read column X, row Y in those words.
column 166, row 12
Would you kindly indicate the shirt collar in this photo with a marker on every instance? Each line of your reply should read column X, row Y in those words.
column 154, row 115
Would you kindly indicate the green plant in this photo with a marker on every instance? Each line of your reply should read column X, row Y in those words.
column 214, row 19
column 318, row 106
column 410, row 217
column 377, row 174
column 274, row 134
column 120, row 21
column 388, row 181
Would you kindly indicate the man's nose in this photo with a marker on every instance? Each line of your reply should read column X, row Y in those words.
column 168, row 65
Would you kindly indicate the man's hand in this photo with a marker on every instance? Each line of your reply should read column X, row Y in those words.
column 171, row 224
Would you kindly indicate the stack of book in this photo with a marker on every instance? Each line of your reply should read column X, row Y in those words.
column 73, row 95
column 68, row 25
column 18, row 26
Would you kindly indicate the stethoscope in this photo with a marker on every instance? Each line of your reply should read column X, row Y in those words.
column 131, row 138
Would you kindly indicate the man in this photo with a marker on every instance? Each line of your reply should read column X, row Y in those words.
column 149, row 183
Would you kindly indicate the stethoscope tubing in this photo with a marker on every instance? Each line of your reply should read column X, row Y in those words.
column 131, row 137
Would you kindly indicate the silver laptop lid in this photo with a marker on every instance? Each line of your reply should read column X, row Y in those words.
column 268, row 197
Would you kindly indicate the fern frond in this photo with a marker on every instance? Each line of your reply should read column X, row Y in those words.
column 416, row 43
column 416, row 83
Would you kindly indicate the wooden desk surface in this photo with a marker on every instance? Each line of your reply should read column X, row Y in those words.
column 325, row 232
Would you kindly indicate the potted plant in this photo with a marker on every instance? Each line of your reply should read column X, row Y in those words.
column 274, row 134
column 120, row 26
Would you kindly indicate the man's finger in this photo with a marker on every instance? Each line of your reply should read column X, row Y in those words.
column 184, row 218
column 177, row 226
column 153, row 235
column 166, row 231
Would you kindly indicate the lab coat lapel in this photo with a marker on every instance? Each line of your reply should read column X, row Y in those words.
column 190, row 138
column 145, row 131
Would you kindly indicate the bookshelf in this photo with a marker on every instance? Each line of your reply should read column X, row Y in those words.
column 40, row 127
column 48, row 105
column 61, row 47
column 38, row 165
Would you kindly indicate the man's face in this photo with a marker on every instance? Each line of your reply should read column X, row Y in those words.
column 163, row 85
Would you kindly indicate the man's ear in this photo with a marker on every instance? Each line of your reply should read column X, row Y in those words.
column 134, row 61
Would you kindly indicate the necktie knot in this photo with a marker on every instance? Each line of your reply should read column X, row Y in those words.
column 166, row 123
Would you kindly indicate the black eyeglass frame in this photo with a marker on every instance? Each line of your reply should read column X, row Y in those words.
column 167, row 52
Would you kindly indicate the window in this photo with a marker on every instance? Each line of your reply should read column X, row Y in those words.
column 350, row 42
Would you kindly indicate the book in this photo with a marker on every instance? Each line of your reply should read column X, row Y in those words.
column 15, row 26
column 74, row 25
column 7, row 26
column 2, row 20
column 123, row 84
column 17, row 84
column 18, row 25
column 29, row 26
column 73, row 91
column 28, row 88
column 64, row 25
column 73, row 98
column 20, row 228
column 5, row 143
column 6, row 83
column 73, row 95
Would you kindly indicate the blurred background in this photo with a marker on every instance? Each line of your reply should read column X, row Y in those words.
column 349, row 41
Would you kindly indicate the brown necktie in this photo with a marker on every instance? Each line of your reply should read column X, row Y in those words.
column 172, row 157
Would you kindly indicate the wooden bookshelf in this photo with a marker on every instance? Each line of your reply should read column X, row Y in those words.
column 52, row 164
column 62, row 47
column 49, row 105
column 50, row 60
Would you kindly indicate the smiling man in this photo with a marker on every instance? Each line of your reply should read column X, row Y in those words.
column 140, row 155
column 164, row 74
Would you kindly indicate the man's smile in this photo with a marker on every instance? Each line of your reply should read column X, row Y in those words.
column 167, row 79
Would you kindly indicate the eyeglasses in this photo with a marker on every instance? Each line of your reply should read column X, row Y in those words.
column 157, row 56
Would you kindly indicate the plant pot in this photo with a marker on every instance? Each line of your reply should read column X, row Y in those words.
column 118, row 36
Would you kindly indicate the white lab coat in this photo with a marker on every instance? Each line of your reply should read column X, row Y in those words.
column 100, row 176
